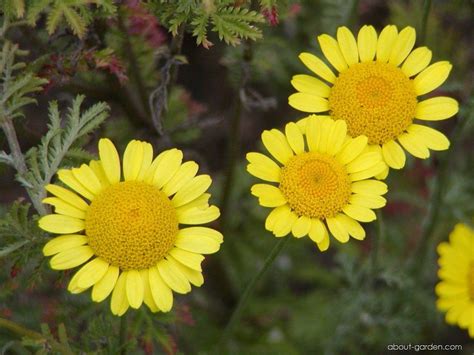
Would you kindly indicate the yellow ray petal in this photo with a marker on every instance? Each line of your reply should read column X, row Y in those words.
column 351, row 226
column 393, row 155
column 359, row 213
column 199, row 240
column 351, row 149
column 147, row 158
column 119, row 303
column 430, row 137
column 294, row 137
column 368, row 173
column 184, row 175
column 369, row 187
column 132, row 160
column 432, row 77
column 60, row 224
column 63, row 243
column 317, row 66
column 277, row 145
column 363, row 162
column 263, row 167
column 67, row 177
column 191, row 260
column 71, row 258
column 347, row 45
column 191, row 190
column 284, row 224
column 173, row 277
column 310, row 85
column 198, row 216
column 301, row 226
column 367, row 43
column 416, row 61
column 436, row 108
column 134, row 289
column 64, row 208
column 369, row 201
column 147, row 296
column 193, row 276
column 268, row 195
column 385, row 43
column 413, row 145
column 160, row 291
column 110, row 160
column 308, row 102
column 105, row 285
column 337, row 229
column 68, row 196
column 96, row 167
column 331, row 51
column 318, row 232
column 402, row 46
column 92, row 272
column 337, row 137
column 86, row 176
column 167, row 167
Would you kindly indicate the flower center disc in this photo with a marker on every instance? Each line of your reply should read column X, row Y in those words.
column 131, row 225
column 375, row 99
column 315, row 185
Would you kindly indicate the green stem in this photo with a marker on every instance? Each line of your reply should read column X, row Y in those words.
column 424, row 20
column 123, row 334
column 25, row 332
column 249, row 289
column 376, row 247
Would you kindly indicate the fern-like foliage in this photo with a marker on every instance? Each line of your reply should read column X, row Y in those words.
column 17, row 229
column 231, row 23
column 77, row 14
column 15, row 88
column 62, row 136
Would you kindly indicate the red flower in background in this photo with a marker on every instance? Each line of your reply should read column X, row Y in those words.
column 271, row 15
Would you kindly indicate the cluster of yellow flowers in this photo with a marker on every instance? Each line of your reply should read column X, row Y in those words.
column 323, row 177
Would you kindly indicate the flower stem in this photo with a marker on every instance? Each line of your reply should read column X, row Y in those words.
column 249, row 289
column 123, row 334
column 424, row 19
column 25, row 332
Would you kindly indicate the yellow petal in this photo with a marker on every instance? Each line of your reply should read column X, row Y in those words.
column 359, row 213
column 268, row 195
column 368, row 173
column 369, row 187
column 199, row 240
column 173, row 277
column 167, row 167
column 277, row 145
column 191, row 190
column 313, row 133
column 198, row 215
column 351, row 149
column 193, row 276
column 385, row 43
column 367, row 43
column 363, row 162
column 119, row 303
column 147, row 158
column 416, row 61
column 60, row 224
column 347, row 45
column 147, row 296
column 331, row 51
column 105, row 285
column 324, row 244
column 64, row 208
column 263, row 167
column 86, row 176
column 317, row 66
column 183, row 176
column 67, row 177
column 301, row 226
column 132, row 160
column 284, row 223
column 109, row 158
column 294, row 137
column 318, row 232
column 73, row 287
column 92, row 272
column 413, row 145
column 150, row 173
column 310, row 85
column 432, row 77
column 351, row 226
column 430, row 137
column 68, row 196
column 134, row 289
column 71, row 258
column 160, row 291
column 337, row 229
column 272, row 217
column 96, row 167
column 393, row 155
column 308, row 103
column 436, row 108
column 202, row 202
column 62, row 243
column 402, row 46
column 337, row 137
column 191, row 260
column 369, row 201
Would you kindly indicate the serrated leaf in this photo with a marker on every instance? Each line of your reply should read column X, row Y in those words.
column 75, row 21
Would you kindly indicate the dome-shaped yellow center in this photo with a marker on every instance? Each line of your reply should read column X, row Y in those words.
column 131, row 225
column 375, row 99
column 315, row 185
column 470, row 280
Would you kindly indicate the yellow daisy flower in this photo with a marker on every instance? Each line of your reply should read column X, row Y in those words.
column 323, row 181
column 375, row 90
column 456, row 289
column 128, row 231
